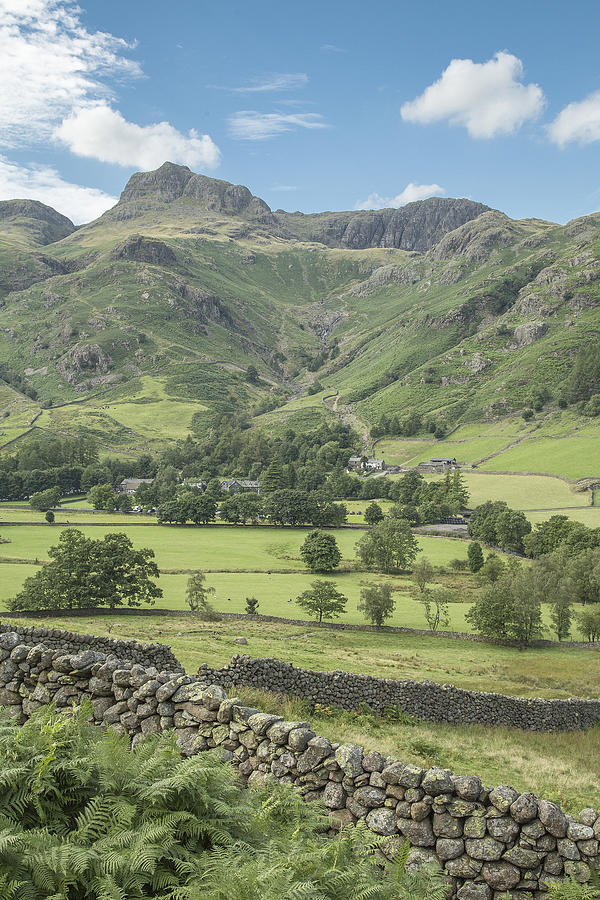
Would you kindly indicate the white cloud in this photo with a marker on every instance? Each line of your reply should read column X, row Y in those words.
column 410, row 193
column 249, row 125
column 284, row 187
column 81, row 204
column 53, row 70
column 487, row 98
column 332, row 48
column 102, row 133
column 278, row 81
column 50, row 63
column 579, row 121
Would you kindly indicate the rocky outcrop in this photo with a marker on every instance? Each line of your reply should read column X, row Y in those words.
column 529, row 332
column 477, row 239
column 84, row 359
column 144, row 249
column 487, row 839
column 384, row 275
column 416, row 226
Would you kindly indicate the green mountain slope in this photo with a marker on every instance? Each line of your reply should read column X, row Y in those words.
column 140, row 326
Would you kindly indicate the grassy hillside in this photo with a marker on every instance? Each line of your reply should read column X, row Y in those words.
column 140, row 326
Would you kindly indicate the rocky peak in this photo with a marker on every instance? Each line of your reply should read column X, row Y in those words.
column 165, row 183
column 171, row 183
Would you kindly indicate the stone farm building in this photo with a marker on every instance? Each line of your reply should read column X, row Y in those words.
column 236, row 485
column 130, row 485
column 371, row 464
column 438, row 464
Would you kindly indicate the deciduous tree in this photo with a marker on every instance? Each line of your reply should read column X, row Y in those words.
column 323, row 600
column 377, row 603
column 320, row 552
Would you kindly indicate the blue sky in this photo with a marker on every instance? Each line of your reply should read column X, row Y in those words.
column 314, row 106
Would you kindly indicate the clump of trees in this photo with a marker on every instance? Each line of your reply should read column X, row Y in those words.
column 494, row 522
column 510, row 608
column 200, row 509
column 104, row 496
column 410, row 425
column 86, row 573
column 241, row 509
column 45, row 500
column 559, row 531
column 390, row 546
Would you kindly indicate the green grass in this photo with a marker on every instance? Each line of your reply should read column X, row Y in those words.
column 521, row 491
column 70, row 514
column 398, row 452
column 217, row 547
column 260, row 553
column 575, row 457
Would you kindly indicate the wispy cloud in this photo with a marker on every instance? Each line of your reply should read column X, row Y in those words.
column 43, row 183
column 277, row 81
column 50, row 63
column 284, row 187
column 250, row 125
column 102, row 133
column 332, row 48
column 410, row 193
column 579, row 122
column 486, row 98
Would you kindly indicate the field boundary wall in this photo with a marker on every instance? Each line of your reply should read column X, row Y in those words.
column 488, row 840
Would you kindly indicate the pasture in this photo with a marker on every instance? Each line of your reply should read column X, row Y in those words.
column 528, row 492
column 556, row 444
column 575, row 456
column 217, row 547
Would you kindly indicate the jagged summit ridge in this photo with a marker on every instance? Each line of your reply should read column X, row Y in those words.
column 415, row 227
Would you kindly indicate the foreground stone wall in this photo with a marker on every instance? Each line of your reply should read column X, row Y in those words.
column 159, row 655
column 488, row 840
column 425, row 699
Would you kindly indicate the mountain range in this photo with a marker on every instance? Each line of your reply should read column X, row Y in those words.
column 140, row 326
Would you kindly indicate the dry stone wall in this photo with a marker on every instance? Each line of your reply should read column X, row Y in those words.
column 425, row 699
column 159, row 655
column 489, row 840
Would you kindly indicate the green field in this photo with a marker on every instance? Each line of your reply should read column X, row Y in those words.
column 560, row 444
column 216, row 547
column 263, row 562
column 521, row 491
column 575, row 456
column 69, row 514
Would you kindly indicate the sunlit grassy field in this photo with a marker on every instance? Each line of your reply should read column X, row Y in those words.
column 520, row 491
column 575, row 456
